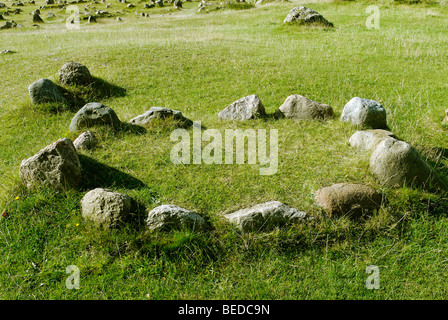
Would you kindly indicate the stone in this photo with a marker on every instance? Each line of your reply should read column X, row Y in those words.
column 106, row 208
column 348, row 199
column 177, row 4
column 7, row 25
column 265, row 216
column 130, row 5
column 37, row 18
column 365, row 113
column 159, row 3
column 1, row 17
column 161, row 113
column 45, row 91
column 300, row 108
column 56, row 166
column 75, row 73
column 246, row 108
column 304, row 15
column 396, row 163
column 48, row 2
column 367, row 140
column 172, row 217
column 91, row 19
column 93, row 114
column 2, row 5
column 36, row 11
column 86, row 141
column 50, row 15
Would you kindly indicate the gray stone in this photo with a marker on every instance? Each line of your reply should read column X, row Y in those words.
column 37, row 18
column 365, row 113
column 45, row 91
column 75, row 73
column 2, row 5
column 177, row 4
column 56, row 166
column 106, row 208
column 246, row 108
column 1, row 17
column 93, row 114
column 367, row 140
column 265, row 216
column 161, row 113
column 304, row 15
column 159, row 3
column 300, row 108
column 86, row 141
column 396, row 164
column 172, row 217
column 348, row 199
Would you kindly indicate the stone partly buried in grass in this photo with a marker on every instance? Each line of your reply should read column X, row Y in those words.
column 92, row 114
column 265, row 216
column 172, row 217
column 146, row 118
column 56, row 166
column 75, row 73
column 106, row 208
column 367, row 140
column 246, row 108
column 306, row 16
column 365, row 113
column 344, row 199
column 300, row 108
column 396, row 164
column 86, row 141
column 45, row 91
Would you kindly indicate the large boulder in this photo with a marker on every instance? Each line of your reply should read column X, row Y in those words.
column 365, row 113
column 300, row 108
column 86, row 141
column 396, row 164
column 45, row 91
column 146, row 118
column 307, row 16
column 56, row 166
column 172, row 217
column 246, row 108
column 75, row 73
column 92, row 114
column 106, row 208
column 347, row 199
column 265, row 216
column 367, row 140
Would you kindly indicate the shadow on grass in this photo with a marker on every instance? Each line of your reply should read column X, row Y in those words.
column 99, row 175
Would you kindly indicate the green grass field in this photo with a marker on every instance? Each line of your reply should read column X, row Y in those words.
column 199, row 64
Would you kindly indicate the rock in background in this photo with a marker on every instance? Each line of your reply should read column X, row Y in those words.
column 246, row 108
column 307, row 16
column 300, row 108
column 171, row 217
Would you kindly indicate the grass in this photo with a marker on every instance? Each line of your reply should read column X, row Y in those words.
column 199, row 64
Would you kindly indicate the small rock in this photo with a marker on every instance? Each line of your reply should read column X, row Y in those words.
column 91, row 19
column 92, row 114
column 105, row 208
column 304, row 15
column 37, row 18
column 368, row 139
column 177, row 4
column 161, row 113
column 86, row 141
column 1, row 17
column 45, row 91
column 56, row 166
column 172, row 217
column 159, row 3
column 246, row 108
column 130, row 5
column 365, row 113
column 347, row 199
column 300, row 108
column 265, row 216
column 74, row 73
column 396, row 164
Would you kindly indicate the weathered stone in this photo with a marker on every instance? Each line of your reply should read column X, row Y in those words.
column 92, row 114
column 161, row 113
column 75, row 73
column 37, row 18
column 347, row 199
column 304, row 15
column 265, row 216
column 172, row 217
column 368, row 139
column 86, row 141
column 300, row 108
column 396, row 164
column 177, row 4
column 56, row 166
column 159, row 3
column 365, row 113
column 246, row 108
column 45, row 91
column 106, row 208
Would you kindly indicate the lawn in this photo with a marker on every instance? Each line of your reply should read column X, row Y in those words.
column 199, row 63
